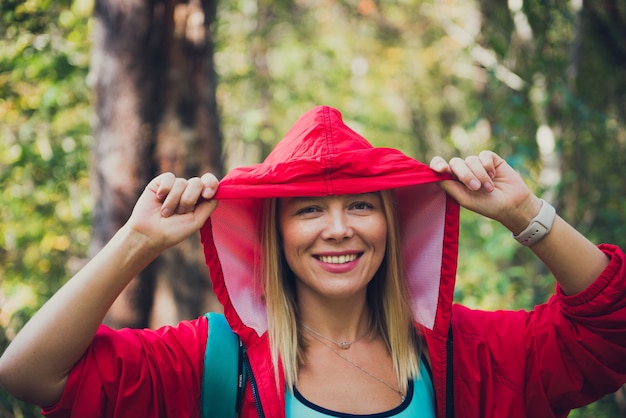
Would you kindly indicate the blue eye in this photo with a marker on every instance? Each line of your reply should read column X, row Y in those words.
column 361, row 205
column 307, row 210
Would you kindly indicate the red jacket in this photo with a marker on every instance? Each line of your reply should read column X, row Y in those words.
column 505, row 364
column 542, row 363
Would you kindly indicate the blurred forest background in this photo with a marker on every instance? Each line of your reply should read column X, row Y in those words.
column 96, row 97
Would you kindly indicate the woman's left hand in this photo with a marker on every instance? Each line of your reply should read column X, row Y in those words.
column 488, row 185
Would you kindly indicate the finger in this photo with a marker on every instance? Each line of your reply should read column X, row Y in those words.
column 189, row 197
column 475, row 164
column 489, row 160
column 457, row 190
column 461, row 169
column 163, row 184
column 439, row 164
column 210, row 184
column 173, row 197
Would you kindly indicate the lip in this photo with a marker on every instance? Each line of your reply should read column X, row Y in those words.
column 338, row 262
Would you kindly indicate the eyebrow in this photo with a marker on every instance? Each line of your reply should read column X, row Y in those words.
column 348, row 195
column 296, row 200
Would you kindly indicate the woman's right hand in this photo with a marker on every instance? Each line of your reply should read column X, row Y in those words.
column 36, row 365
column 170, row 209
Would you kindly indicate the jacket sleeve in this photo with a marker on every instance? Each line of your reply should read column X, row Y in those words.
column 576, row 345
column 132, row 373
column 562, row 355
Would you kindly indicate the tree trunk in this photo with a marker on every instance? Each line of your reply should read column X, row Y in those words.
column 154, row 84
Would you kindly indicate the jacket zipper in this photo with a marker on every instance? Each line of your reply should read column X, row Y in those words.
column 241, row 380
column 449, row 375
column 253, row 386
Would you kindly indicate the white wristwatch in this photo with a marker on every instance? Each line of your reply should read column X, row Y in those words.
column 539, row 226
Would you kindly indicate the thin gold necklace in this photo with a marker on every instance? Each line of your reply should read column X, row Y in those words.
column 373, row 376
column 344, row 345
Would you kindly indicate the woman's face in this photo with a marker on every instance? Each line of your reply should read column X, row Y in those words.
column 334, row 245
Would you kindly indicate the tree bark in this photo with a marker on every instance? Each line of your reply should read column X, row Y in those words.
column 154, row 88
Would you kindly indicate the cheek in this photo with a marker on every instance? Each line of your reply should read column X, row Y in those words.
column 379, row 233
column 293, row 239
column 289, row 236
column 294, row 255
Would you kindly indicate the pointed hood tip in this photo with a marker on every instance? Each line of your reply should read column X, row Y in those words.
column 319, row 156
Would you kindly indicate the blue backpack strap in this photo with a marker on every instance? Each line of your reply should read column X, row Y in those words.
column 223, row 379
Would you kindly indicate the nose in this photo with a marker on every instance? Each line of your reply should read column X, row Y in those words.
column 338, row 226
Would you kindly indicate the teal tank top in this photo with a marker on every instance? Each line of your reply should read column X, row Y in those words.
column 419, row 402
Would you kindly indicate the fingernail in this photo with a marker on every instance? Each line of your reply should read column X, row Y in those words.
column 166, row 212
column 488, row 187
column 474, row 184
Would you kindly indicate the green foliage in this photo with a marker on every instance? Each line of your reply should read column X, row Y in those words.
column 605, row 407
column 494, row 271
column 385, row 67
column 45, row 127
column 428, row 77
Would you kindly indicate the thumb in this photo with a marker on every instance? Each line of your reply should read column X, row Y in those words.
column 455, row 189
column 439, row 164
column 203, row 211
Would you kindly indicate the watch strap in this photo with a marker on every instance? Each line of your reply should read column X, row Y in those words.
column 539, row 226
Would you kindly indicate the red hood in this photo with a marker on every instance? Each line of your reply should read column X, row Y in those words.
column 321, row 156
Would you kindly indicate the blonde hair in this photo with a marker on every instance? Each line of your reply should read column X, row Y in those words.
column 390, row 311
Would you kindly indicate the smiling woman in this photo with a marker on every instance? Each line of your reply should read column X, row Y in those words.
column 333, row 249
column 335, row 262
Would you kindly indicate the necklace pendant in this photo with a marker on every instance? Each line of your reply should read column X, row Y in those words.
column 344, row 345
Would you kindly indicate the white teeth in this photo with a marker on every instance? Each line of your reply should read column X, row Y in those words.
column 337, row 259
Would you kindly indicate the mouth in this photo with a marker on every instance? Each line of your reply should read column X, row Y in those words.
column 338, row 259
